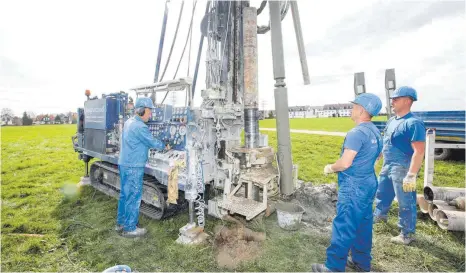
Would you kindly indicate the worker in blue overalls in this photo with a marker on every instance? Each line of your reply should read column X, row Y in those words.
column 136, row 139
column 357, row 182
column 403, row 152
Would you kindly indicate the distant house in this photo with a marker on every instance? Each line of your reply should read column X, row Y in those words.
column 304, row 111
column 45, row 119
column 336, row 110
column 328, row 110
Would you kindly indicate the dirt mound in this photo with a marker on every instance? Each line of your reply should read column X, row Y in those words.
column 236, row 245
column 318, row 202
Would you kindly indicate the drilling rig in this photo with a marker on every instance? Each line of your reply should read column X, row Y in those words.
column 208, row 167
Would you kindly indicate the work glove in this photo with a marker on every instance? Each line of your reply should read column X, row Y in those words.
column 328, row 169
column 409, row 182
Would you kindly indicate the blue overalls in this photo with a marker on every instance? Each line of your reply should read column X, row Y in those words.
column 397, row 152
column 136, row 139
column 352, row 226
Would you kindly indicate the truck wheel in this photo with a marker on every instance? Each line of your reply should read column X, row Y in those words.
column 442, row 153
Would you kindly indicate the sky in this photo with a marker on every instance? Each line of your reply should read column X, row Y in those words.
column 52, row 51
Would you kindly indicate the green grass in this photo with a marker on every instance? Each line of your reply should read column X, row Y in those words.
column 38, row 161
column 342, row 124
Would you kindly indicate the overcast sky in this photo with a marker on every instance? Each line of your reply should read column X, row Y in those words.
column 51, row 51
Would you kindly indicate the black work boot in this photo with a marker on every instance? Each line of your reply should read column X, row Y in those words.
column 353, row 265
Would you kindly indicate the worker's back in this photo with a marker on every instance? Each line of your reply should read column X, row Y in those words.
column 133, row 150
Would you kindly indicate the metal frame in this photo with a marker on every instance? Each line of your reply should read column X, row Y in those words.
column 181, row 84
column 430, row 153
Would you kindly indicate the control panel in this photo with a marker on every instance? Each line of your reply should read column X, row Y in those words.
column 168, row 124
column 162, row 113
column 180, row 114
column 173, row 133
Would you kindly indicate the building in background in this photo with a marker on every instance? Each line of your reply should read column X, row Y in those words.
column 336, row 110
column 326, row 111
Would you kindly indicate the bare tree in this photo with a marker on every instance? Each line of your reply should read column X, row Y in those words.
column 31, row 115
column 7, row 114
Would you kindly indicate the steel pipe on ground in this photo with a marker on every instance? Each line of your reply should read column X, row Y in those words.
column 422, row 203
column 438, row 205
column 442, row 193
column 451, row 220
column 458, row 203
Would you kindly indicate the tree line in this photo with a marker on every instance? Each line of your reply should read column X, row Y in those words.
column 29, row 118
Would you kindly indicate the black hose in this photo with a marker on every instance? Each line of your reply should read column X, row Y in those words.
column 173, row 42
column 199, row 53
column 187, row 39
column 265, row 29
column 162, row 39
column 262, row 6
column 184, row 48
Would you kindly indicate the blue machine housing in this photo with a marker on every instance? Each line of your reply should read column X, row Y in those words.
column 101, row 114
column 99, row 117
column 97, row 121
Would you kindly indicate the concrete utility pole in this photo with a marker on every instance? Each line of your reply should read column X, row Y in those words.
column 281, row 101
column 359, row 84
column 390, row 86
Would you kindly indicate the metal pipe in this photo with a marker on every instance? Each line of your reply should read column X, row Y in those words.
column 442, row 193
column 281, row 101
column 199, row 53
column 191, row 211
column 451, row 220
column 251, row 128
column 238, row 80
column 423, row 205
column 429, row 158
column 251, row 120
column 438, row 205
column 86, row 165
column 162, row 38
column 458, row 203
column 299, row 39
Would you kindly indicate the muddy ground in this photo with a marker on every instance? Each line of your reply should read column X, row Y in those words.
column 237, row 243
column 318, row 202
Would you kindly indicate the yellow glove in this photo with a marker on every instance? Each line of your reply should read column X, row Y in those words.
column 409, row 182
column 328, row 169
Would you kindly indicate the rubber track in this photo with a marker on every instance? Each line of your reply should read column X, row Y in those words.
column 149, row 181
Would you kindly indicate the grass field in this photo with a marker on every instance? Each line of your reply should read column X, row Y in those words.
column 342, row 124
column 44, row 229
